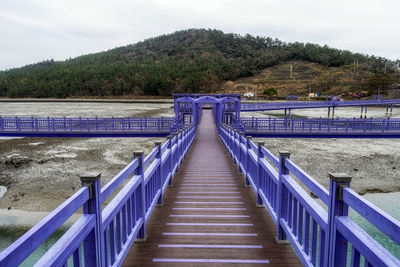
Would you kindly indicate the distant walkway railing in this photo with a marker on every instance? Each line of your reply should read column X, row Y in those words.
column 317, row 126
column 320, row 237
column 103, row 237
column 315, row 104
column 87, row 126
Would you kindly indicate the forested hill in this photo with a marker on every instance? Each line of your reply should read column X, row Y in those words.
column 194, row 60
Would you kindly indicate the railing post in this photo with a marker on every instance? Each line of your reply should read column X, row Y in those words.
column 169, row 171
column 239, row 151
column 246, row 170
column 185, row 137
column 17, row 126
column 94, row 243
column 181, row 146
column 234, row 147
column 260, row 156
column 336, row 244
column 177, row 151
column 142, row 208
column 281, row 198
column 159, row 172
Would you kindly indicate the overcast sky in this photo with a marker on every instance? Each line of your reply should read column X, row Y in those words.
column 36, row 30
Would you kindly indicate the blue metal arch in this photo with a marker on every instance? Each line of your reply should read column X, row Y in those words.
column 208, row 99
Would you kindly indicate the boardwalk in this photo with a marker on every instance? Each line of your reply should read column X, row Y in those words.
column 209, row 216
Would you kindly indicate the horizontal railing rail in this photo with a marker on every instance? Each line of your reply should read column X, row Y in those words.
column 315, row 104
column 321, row 233
column 318, row 125
column 104, row 237
column 33, row 124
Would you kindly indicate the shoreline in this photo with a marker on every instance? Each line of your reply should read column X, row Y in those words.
column 85, row 100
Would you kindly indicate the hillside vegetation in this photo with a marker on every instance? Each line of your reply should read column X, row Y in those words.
column 191, row 61
column 302, row 77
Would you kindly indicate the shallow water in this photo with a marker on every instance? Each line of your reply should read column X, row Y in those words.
column 10, row 234
column 390, row 203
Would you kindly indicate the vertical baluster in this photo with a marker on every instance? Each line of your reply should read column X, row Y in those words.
column 290, row 210
column 300, row 235
column 118, row 231
column 112, row 241
column 295, row 217
column 158, row 173
column 132, row 210
column 124, row 223
column 307, row 233
column 248, row 161
column 355, row 257
column 48, row 123
column 106, row 246
column 274, row 125
column 314, row 237
column 322, row 244
column 77, row 257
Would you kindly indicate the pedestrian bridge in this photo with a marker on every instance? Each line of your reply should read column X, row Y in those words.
column 210, row 195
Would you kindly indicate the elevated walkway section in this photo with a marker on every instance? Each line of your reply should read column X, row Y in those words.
column 209, row 217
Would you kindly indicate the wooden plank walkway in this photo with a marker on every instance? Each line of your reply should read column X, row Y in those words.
column 209, row 217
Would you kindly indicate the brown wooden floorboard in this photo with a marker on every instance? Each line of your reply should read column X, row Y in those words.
column 207, row 169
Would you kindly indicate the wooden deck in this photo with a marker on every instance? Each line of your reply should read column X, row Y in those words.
column 209, row 217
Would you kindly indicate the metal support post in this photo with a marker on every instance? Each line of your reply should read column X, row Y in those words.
column 93, row 244
column 142, row 208
column 336, row 244
column 282, row 199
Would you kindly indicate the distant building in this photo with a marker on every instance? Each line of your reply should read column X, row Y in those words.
column 249, row 94
column 312, row 95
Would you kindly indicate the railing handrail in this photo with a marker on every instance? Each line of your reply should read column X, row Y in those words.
column 308, row 104
column 134, row 202
column 319, row 237
column 310, row 126
column 31, row 240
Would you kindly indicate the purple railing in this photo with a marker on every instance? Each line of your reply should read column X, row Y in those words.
column 318, row 125
column 315, row 104
column 32, row 124
column 320, row 236
column 104, row 237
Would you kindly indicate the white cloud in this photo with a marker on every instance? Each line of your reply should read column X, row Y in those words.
column 36, row 30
